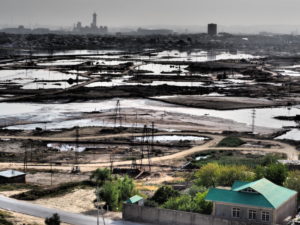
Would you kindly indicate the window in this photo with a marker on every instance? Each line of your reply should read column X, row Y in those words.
column 235, row 212
column 265, row 216
column 249, row 190
column 252, row 215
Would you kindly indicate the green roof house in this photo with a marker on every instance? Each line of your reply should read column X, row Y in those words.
column 258, row 202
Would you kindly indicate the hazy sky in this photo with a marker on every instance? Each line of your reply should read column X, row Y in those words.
column 117, row 13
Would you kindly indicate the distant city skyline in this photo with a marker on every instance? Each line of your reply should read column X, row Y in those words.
column 230, row 15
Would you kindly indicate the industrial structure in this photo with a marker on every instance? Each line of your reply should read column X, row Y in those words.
column 212, row 29
column 92, row 29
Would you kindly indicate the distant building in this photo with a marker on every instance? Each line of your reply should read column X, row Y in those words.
column 19, row 30
column 12, row 176
column 92, row 29
column 212, row 29
column 258, row 202
column 142, row 31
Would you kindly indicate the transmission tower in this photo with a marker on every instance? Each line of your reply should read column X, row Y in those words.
column 146, row 147
column 118, row 116
column 253, row 120
column 77, row 145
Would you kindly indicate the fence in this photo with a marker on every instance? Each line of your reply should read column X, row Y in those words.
column 159, row 216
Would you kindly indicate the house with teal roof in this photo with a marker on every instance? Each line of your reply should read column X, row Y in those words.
column 258, row 202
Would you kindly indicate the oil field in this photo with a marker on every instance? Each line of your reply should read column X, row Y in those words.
column 94, row 123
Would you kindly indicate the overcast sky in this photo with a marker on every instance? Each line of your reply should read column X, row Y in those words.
column 62, row 13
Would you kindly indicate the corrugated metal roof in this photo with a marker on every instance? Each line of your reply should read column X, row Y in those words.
column 11, row 173
column 269, row 195
column 134, row 199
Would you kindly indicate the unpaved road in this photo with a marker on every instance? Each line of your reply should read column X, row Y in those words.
column 290, row 151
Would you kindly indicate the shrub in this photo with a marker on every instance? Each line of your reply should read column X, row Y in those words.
column 3, row 218
column 188, row 203
column 231, row 142
column 213, row 174
column 163, row 194
column 53, row 220
column 276, row 172
column 116, row 191
column 101, row 175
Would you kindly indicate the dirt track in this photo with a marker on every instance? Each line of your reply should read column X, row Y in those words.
column 290, row 151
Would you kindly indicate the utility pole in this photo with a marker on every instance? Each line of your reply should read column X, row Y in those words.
column 25, row 160
column 51, row 171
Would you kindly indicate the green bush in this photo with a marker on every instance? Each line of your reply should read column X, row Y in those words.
column 293, row 181
column 188, row 203
column 116, row 191
column 99, row 176
column 231, row 142
column 163, row 194
column 276, row 172
column 213, row 174
column 53, row 220
column 3, row 218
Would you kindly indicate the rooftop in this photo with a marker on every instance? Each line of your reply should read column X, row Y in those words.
column 11, row 173
column 134, row 199
column 263, row 193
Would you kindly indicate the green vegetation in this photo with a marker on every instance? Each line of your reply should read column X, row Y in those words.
column 13, row 187
column 3, row 218
column 168, row 198
column 38, row 192
column 293, row 181
column 99, row 176
column 231, row 142
column 115, row 191
column 276, row 172
column 236, row 158
column 53, row 220
column 163, row 194
column 189, row 203
column 214, row 174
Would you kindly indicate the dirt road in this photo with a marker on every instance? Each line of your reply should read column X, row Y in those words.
column 290, row 151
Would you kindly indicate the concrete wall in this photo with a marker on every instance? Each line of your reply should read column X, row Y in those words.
column 159, row 216
column 225, row 211
column 289, row 208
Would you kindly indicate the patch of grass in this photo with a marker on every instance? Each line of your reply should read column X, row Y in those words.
column 13, row 187
column 235, row 158
column 3, row 218
column 62, row 189
column 231, row 142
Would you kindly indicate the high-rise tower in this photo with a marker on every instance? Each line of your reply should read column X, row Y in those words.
column 212, row 29
column 94, row 23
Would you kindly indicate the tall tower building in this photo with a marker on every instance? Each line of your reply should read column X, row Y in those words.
column 94, row 23
column 212, row 29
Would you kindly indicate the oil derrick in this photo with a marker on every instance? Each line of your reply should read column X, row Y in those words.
column 118, row 116
column 145, row 147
